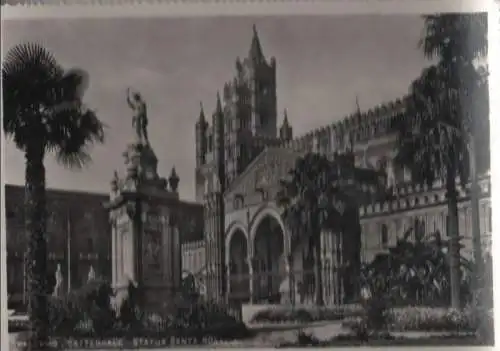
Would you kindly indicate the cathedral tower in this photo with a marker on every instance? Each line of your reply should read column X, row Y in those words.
column 214, row 212
column 262, row 84
column 249, row 109
column 243, row 123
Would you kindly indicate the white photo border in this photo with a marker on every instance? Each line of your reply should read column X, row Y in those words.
column 31, row 10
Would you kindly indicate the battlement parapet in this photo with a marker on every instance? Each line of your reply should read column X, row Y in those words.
column 362, row 126
column 264, row 140
column 411, row 196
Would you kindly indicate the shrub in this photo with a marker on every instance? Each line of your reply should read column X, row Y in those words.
column 376, row 309
column 64, row 315
column 423, row 319
column 430, row 319
column 485, row 329
column 16, row 302
column 193, row 319
column 216, row 321
column 86, row 311
column 130, row 317
column 304, row 314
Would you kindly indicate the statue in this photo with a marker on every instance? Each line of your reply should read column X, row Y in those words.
column 58, row 288
column 391, row 178
column 115, row 182
column 91, row 275
column 140, row 119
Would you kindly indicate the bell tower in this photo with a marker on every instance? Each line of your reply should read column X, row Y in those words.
column 262, row 86
column 214, row 212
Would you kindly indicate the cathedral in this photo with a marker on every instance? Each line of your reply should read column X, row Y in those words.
column 241, row 155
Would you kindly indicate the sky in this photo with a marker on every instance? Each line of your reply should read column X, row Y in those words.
column 323, row 63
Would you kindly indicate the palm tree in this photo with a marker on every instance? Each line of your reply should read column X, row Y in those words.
column 44, row 113
column 432, row 152
column 323, row 194
column 459, row 41
column 448, row 109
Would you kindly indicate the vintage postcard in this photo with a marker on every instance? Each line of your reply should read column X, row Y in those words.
column 247, row 175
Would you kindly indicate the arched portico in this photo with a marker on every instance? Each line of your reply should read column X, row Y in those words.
column 268, row 211
column 257, row 249
column 269, row 265
column 270, row 248
column 237, row 265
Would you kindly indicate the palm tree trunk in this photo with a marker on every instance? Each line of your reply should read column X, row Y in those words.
column 316, row 232
column 339, row 268
column 474, row 204
column 35, row 203
column 454, row 250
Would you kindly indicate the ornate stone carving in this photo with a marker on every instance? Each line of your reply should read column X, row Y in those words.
column 152, row 253
column 173, row 180
column 153, row 221
column 131, row 209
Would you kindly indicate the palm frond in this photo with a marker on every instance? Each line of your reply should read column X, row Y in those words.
column 29, row 74
column 454, row 36
column 43, row 105
column 73, row 130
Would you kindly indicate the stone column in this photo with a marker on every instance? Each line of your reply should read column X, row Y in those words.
column 250, row 262
column 119, row 257
column 114, row 256
column 228, row 280
column 291, row 278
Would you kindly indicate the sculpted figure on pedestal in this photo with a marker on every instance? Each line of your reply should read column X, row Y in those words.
column 140, row 118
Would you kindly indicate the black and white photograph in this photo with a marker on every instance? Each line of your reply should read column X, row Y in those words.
column 247, row 181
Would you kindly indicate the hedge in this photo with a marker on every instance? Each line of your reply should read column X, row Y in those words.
column 425, row 319
column 305, row 314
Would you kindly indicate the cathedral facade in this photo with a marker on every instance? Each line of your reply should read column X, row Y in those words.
column 241, row 155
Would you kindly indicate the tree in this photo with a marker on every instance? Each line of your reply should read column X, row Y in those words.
column 428, row 148
column 415, row 270
column 323, row 194
column 446, row 109
column 44, row 113
column 459, row 42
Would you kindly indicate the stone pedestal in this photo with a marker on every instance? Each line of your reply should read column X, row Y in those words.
column 145, row 235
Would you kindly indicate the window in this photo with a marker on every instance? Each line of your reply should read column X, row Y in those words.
column 210, row 142
column 446, row 224
column 397, row 225
column 90, row 244
column 490, row 220
column 384, row 235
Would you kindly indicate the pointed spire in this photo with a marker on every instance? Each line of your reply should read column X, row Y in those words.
column 202, row 113
column 218, row 108
column 358, row 109
column 286, row 131
column 255, row 48
column 173, row 180
column 285, row 118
